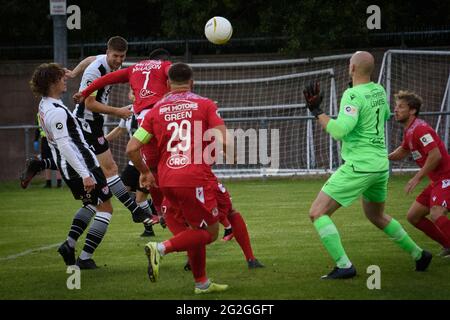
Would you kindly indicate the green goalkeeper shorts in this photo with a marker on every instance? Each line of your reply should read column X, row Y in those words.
column 346, row 185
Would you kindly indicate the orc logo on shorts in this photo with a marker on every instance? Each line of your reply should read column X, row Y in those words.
column 177, row 161
column 59, row 126
column 445, row 183
column 214, row 212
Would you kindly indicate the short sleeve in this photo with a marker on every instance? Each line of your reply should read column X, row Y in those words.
column 213, row 116
column 424, row 138
column 89, row 76
column 166, row 66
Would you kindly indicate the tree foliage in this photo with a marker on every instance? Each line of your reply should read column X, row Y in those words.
column 307, row 24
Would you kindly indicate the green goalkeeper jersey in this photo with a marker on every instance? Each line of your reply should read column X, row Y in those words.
column 360, row 126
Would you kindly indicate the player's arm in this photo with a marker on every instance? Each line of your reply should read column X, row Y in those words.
column 92, row 104
column 220, row 132
column 119, row 76
column 398, row 154
column 80, row 67
column 347, row 118
column 59, row 132
column 433, row 159
column 115, row 133
column 137, row 141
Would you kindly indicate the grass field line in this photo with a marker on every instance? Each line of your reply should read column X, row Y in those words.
column 15, row 256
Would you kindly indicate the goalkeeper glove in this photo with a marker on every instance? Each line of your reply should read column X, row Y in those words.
column 313, row 98
column 36, row 146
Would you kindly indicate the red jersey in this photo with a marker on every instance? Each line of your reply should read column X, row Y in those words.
column 178, row 122
column 147, row 78
column 419, row 138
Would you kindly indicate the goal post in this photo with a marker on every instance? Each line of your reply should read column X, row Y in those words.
column 427, row 73
column 265, row 98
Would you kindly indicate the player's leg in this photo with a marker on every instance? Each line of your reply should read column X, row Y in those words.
column 48, row 178
column 237, row 223
column 243, row 239
column 95, row 235
column 341, row 189
column 79, row 224
column 440, row 196
column 373, row 202
column 117, row 187
column 417, row 216
column 225, row 207
column 202, row 215
column 58, row 179
column 101, row 198
column 130, row 178
column 46, row 154
column 32, row 167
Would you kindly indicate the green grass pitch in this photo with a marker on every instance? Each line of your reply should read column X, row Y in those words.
column 283, row 238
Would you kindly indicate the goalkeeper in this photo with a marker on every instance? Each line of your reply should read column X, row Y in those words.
column 360, row 126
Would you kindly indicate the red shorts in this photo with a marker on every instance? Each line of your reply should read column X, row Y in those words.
column 198, row 206
column 436, row 194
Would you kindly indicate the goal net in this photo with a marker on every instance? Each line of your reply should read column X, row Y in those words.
column 426, row 73
column 262, row 102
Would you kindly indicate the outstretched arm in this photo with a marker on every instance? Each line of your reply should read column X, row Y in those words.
column 99, row 107
column 80, row 67
column 398, row 154
column 119, row 76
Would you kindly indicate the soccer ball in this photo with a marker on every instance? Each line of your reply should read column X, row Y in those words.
column 218, row 30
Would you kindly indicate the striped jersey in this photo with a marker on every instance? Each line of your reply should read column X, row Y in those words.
column 65, row 138
column 95, row 70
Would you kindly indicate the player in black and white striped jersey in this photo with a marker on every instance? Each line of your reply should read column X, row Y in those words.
column 90, row 114
column 78, row 165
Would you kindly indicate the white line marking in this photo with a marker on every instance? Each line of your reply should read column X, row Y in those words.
column 15, row 256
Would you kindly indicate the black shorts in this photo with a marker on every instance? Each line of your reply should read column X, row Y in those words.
column 46, row 152
column 130, row 178
column 93, row 133
column 101, row 193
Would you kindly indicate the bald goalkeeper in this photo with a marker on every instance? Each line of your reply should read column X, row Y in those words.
column 360, row 127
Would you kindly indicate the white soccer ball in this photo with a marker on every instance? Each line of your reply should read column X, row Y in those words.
column 218, row 30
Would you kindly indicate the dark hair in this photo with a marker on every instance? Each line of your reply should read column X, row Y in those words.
column 413, row 100
column 117, row 43
column 159, row 54
column 44, row 76
column 180, row 73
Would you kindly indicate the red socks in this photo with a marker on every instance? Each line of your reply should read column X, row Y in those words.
column 443, row 223
column 241, row 234
column 433, row 231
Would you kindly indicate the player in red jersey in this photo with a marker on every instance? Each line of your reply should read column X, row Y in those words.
column 178, row 123
column 148, row 81
column 430, row 154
